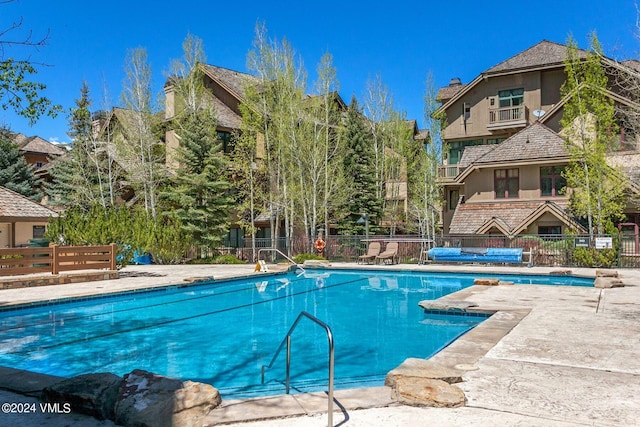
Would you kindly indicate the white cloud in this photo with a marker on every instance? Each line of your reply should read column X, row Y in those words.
column 55, row 140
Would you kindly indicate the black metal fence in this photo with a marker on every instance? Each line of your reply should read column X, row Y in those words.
column 547, row 250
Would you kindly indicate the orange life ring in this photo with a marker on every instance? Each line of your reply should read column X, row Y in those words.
column 319, row 244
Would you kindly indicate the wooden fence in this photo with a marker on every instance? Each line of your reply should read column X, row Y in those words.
column 54, row 259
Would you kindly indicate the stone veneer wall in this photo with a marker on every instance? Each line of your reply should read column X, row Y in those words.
column 57, row 279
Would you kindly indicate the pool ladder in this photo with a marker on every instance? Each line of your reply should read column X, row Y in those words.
column 280, row 252
column 287, row 340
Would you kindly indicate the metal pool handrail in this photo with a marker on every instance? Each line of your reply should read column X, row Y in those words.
column 287, row 340
column 280, row 252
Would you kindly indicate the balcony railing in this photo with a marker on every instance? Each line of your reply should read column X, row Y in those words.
column 508, row 116
column 449, row 172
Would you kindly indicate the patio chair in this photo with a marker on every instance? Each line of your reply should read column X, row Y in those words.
column 372, row 253
column 390, row 254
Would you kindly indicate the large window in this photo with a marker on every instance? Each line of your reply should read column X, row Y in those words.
column 506, row 183
column 227, row 141
column 457, row 147
column 549, row 229
column 234, row 239
column 510, row 98
column 552, row 183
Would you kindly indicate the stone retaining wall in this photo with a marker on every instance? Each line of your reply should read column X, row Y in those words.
column 56, row 279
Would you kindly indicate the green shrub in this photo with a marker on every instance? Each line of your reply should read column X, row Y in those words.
column 130, row 229
column 206, row 260
column 227, row 259
column 591, row 257
column 301, row 258
column 221, row 259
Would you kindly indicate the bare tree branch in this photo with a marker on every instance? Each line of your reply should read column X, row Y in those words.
column 19, row 40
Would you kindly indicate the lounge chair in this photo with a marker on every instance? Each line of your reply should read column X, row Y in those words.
column 372, row 253
column 390, row 254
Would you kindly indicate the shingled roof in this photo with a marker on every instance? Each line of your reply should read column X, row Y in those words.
column 628, row 163
column 233, row 80
column 17, row 207
column 472, row 218
column 447, row 92
column 35, row 144
column 225, row 116
column 632, row 63
column 535, row 142
column 543, row 54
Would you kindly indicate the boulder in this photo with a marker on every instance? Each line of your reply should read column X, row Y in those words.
column 413, row 368
column 428, row 392
column 562, row 272
column 147, row 399
column 316, row 263
column 606, row 273
column 486, row 282
column 91, row 394
column 608, row 282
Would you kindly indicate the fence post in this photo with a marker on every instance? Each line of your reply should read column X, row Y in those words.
column 112, row 260
column 55, row 268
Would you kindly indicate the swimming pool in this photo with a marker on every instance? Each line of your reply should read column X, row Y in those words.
column 222, row 333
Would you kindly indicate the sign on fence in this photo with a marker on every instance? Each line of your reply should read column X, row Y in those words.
column 604, row 242
column 582, row 242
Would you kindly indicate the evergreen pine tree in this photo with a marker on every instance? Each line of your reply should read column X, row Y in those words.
column 359, row 166
column 15, row 173
column 75, row 176
column 198, row 194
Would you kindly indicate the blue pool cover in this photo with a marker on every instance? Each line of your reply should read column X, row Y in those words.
column 498, row 255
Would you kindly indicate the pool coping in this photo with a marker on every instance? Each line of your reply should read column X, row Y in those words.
column 88, row 296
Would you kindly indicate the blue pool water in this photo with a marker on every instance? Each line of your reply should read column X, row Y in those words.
column 222, row 333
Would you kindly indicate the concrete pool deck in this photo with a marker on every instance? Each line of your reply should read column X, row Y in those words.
column 551, row 355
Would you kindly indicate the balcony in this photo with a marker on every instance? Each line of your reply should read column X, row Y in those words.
column 508, row 117
column 448, row 173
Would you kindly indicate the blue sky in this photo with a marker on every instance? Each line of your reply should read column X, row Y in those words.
column 401, row 41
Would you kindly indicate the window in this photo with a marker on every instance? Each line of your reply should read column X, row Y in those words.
column 506, row 183
column 495, row 140
column 234, row 239
column 454, row 195
column 466, row 111
column 510, row 98
column 38, row 231
column 549, row 229
column 552, row 183
column 39, row 164
column 457, row 147
column 227, row 141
